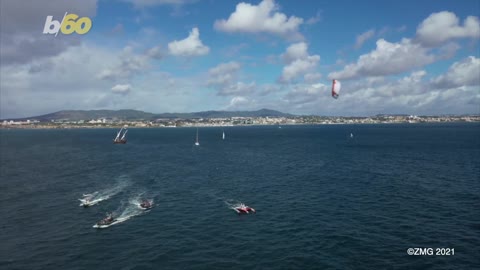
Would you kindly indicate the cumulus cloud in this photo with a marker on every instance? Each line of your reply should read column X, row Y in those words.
column 22, row 40
column 155, row 52
column 237, row 88
column 242, row 103
column 388, row 58
column 121, row 89
column 224, row 78
column 190, row 46
column 312, row 77
column 463, row 73
column 128, row 64
column 410, row 94
column 263, row 18
column 363, row 37
column 443, row 26
column 298, row 62
column 223, row 74
column 306, row 93
column 63, row 81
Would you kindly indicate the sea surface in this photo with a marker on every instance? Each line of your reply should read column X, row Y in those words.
column 323, row 200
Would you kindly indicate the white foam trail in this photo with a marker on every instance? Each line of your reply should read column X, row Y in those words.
column 102, row 195
column 233, row 204
column 133, row 209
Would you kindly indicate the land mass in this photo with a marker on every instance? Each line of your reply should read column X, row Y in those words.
column 135, row 115
column 135, row 118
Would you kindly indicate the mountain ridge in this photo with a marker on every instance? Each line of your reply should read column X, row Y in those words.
column 130, row 114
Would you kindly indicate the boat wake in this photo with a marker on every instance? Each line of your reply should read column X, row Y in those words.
column 239, row 207
column 233, row 204
column 137, row 201
column 131, row 210
column 102, row 195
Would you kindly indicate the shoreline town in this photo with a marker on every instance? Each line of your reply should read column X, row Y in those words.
column 235, row 121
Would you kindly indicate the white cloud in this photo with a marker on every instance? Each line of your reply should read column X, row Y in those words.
column 306, row 93
column 262, row 18
column 21, row 27
column 364, row 37
column 298, row 62
column 241, row 103
column 388, row 58
column 443, row 26
column 315, row 19
column 223, row 74
column 155, row 52
column 462, row 73
column 65, row 81
column 295, row 51
column 411, row 94
column 312, row 77
column 121, row 89
column 190, row 46
column 127, row 65
column 238, row 88
column 225, row 79
column 238, row 100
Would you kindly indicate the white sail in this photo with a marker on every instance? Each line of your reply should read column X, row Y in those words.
column 118, row 134
column 124, row 134
column 223, row 135
column 196, row 141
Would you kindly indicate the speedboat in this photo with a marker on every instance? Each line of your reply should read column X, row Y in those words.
column 85, row 203
column 146, row 204
column 243, row 209
column 106, row 221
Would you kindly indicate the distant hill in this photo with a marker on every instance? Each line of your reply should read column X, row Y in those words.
column 76, row 115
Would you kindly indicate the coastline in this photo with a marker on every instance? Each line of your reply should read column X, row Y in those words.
column 117, row 126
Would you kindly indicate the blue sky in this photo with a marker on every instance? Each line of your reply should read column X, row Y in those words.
column 408, row 57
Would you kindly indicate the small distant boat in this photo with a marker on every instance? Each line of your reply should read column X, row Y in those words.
column 196, row 141
column 146, row 205
column 107, row 221
column 121, row 138
column 243, row 209
column 351, row 135
column 223, row 135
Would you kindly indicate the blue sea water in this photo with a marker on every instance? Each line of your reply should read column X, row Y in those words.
column 323, row 200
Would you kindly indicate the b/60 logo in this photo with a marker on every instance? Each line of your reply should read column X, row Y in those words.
column 70, row 23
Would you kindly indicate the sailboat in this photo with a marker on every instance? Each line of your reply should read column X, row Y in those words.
column 351, row 135
column 121, row 138
column 196, row 142
column 223, row 135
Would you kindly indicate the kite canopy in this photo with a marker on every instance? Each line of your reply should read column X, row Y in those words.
column 336, row 85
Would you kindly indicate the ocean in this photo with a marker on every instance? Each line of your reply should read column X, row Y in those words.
column 323, row 200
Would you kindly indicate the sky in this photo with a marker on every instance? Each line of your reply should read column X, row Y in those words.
column 391, row 57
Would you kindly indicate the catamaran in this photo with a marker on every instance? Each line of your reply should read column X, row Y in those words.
column 121, row 139
column 196, row 142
